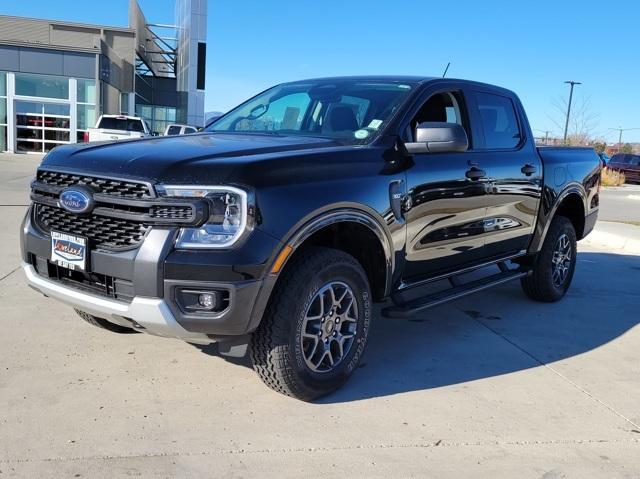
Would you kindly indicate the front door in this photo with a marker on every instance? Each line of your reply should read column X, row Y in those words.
column 446, row 205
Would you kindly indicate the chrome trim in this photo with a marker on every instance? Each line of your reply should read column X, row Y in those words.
column 153, row 314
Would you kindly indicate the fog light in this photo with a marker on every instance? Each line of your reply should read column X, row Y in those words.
column 207, row 300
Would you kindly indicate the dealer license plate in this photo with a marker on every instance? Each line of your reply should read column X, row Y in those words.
column 69, row 251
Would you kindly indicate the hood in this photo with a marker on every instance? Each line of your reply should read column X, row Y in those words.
column 199, row 159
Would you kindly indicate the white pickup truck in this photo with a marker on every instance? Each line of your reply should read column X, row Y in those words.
column 117, row 127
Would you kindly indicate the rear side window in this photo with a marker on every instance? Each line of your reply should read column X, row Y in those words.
column 173, row 130
column 498, row 121
column 125, row 124
column 188, row 130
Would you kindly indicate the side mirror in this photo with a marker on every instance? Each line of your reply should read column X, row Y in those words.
column 438, row 137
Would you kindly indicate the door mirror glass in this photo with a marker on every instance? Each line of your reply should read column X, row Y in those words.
column 438, row 137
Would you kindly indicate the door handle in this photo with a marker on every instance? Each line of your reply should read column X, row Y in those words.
column 528, row 169
column 475, row 173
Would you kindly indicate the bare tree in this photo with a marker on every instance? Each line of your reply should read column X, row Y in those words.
column 583, row 121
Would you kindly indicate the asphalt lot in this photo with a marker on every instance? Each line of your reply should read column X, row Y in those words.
column 490, row 386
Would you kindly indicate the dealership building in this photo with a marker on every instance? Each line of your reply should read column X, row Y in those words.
column 57, row 78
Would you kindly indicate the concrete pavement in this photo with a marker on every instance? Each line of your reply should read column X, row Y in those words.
column 490, row 386
column 621, row 203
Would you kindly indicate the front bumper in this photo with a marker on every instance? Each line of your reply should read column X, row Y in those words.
column 151, row 315
column 146, row 283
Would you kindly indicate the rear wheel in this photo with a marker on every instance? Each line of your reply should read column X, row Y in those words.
column 554, row 265
column 314, row 331
column 104, row 324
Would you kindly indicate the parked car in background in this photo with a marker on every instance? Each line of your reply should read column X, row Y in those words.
column 627, row 163
column 176, row 129
column 117, row 127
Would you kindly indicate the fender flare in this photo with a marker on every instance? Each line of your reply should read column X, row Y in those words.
column 307, row 227
column 347, row 215
column 573, row 188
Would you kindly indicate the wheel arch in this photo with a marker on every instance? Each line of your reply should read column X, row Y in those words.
column 571, row 203
column 314, row 224
column 329, row 229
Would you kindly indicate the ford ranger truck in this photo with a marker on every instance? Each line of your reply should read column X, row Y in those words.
column 274, row 231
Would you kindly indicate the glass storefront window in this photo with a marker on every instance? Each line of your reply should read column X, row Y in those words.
column 86, row 91
column 3, row 138
column 86, row 116
column 52, row 109
column 3, row 111
column 3, row 84
column 42, row 86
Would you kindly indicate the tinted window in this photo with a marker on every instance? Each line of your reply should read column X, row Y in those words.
column 626, row 159
column 188, row 130
column 123, row 124
column 440, row 107
column 499, row 123
column 173, row 130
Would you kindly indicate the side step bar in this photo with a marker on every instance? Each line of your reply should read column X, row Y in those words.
column 456, row 291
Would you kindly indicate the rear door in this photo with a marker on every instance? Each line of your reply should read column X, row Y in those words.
column 513, row 168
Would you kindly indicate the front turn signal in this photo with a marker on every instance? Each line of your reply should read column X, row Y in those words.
column 282, row 257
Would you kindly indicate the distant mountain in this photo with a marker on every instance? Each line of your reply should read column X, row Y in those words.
column 208, row 116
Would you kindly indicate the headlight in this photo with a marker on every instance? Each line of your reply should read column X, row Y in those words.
column 227, row 219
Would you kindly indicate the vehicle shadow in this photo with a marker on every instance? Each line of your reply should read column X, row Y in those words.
column 496, row 332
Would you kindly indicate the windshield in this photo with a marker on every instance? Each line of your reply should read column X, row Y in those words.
column 351, row 111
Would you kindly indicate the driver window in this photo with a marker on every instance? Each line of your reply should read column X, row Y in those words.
column 441, row 107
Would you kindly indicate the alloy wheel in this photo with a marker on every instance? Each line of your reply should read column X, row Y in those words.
column 329, row 327
column 562, row 258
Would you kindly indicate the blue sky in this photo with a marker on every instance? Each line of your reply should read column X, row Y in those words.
column 529, row 47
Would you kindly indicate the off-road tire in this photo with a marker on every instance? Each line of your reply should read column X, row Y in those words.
column 104, row 324
column 540, row 286
column 275, row 349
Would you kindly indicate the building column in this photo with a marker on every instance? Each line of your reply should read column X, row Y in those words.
column 132, row 104
column 73, row 110
column 11, row 115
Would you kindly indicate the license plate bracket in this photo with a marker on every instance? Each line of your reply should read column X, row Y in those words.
column 69, row 251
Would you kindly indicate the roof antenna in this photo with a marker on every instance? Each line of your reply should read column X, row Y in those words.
column 446, row 70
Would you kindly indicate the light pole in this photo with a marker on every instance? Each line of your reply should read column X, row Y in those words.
column 566, row 123
column 546, row 135
column 620, row 130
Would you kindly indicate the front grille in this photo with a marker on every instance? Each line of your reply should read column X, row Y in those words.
column 172, row 212
column 102, row 231
column 118, row 188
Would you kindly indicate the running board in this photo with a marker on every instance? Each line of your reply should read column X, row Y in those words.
column 455, row 292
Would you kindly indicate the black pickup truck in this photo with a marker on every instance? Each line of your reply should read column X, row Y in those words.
column 278, row 228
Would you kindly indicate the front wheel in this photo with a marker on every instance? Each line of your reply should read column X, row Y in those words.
column 554, row 265
column 315, row 328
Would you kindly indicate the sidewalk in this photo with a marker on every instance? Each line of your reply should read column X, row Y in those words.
column 615, row 236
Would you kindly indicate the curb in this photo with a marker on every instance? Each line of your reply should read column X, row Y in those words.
column 610, row 240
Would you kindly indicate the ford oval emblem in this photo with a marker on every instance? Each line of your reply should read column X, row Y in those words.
column 76, row 200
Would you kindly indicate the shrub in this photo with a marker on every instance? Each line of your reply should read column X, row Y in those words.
column 612, row 177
